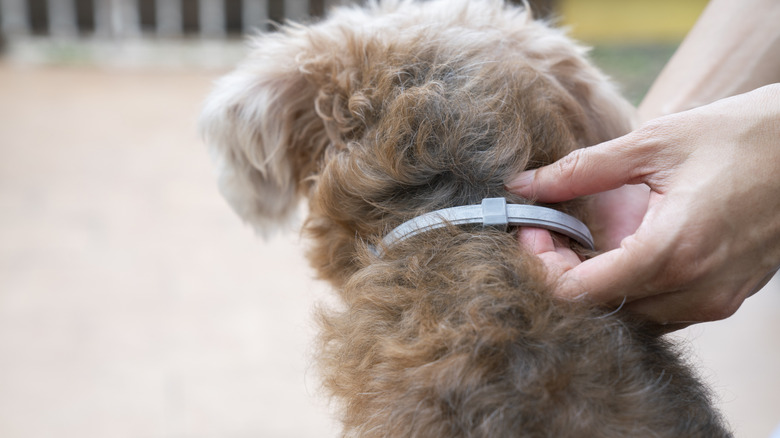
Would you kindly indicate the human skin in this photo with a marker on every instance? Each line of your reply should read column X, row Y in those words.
column 711, row 234
column 733, row 48
column 685, row 207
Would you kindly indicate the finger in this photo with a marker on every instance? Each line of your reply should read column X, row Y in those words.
column 597, row 282
column 616, row 214
column 688, row 306
column 536, row 240
column 556, row 258
column 582, row 172
column 606, row 278
column 763, row 282
column 669, row 309
column 665, row 329
column 680, row 308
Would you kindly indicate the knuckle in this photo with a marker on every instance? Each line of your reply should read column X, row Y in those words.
column 719, row 308
column 642, row 150
column 568, row 168
column 567, row 164
column 659, row 140
column 657, row 129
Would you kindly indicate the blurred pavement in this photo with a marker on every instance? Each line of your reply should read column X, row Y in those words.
column 133, row 303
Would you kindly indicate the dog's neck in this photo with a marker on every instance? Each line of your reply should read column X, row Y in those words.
column 493, row 212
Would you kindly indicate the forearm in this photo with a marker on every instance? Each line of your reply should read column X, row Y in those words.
column 733, row 48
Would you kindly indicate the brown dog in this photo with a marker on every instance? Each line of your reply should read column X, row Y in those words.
column 383, row 113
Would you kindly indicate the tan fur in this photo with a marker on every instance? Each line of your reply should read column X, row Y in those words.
column 382, row 113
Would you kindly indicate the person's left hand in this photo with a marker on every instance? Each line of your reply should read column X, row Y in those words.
column 616, row 214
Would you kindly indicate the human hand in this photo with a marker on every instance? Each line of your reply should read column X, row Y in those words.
column 711, row 234
column 616, row 214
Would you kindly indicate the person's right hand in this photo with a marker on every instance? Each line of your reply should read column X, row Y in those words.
column 711, row 234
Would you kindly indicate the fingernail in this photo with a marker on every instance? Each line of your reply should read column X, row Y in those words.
column 522, row 182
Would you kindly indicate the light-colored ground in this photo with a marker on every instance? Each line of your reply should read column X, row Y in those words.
column 133, row 303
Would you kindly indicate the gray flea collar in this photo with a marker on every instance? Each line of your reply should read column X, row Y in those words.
column 493, row 212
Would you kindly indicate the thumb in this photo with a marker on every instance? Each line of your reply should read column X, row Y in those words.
column 604, row 278
column 585, row 171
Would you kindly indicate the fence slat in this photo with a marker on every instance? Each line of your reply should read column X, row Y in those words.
column 128, row 17
column 117, row 18
column 169, row 17
column 102, row 13
column 212, row 18
column 332, row 3
column 296, row 10
column 254, row 14
column 122, row 18
column 62, row 18
column 14, row 17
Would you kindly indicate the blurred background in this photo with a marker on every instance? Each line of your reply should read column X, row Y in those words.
column 133, row 303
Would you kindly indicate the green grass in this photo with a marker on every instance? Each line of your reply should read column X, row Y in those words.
column 633, row 67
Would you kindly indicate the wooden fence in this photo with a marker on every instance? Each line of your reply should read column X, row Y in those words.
column 166, row 18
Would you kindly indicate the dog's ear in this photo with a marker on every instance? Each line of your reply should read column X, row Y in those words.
column 262, row 128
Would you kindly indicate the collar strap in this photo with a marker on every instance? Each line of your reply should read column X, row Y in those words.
column 493, row 212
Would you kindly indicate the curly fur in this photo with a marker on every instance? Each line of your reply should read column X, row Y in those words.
column 381, row 113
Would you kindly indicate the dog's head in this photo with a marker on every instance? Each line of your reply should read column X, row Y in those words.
column 382, row 113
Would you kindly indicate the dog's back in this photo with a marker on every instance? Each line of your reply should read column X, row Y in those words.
column 455, row 334
column 384, row 113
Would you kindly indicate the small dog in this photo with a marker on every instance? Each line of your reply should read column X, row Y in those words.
column 382, row 113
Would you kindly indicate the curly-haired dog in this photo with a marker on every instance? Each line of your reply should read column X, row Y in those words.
column 383, row 113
